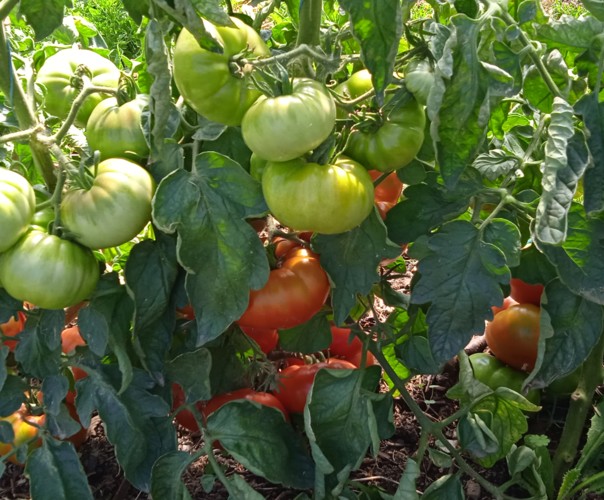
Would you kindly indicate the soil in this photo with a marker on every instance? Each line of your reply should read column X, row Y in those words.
column 384, row 470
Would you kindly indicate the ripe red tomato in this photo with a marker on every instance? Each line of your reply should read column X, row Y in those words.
column 525, row 293
column 387, row 193
column 187, row 420
column 266, row 338
column 513, row 336
column 507, row 302
column 23, row 430
column 186, row 312
column 295, row 382
column 70, row 339
column 294, row 293
column 11, row 328
column 349, row 350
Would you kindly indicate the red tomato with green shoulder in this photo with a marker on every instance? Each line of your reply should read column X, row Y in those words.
column 25, row 430
column 17, row 206
column 115, row 208
column 266, row 338
column 12, row 328
column 526, row 293
column 115, row 129
column 48, row 271
column 285, row 127
column 513, row 336
column 204, row 77
column 295, row 381
column 351, row 350
column 62, row 76
column 70, row 339
column 331, row 198
column 295, row 291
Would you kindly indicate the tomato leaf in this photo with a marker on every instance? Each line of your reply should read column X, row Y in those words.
column 207, row 208
column 377, row 27
column 137, row 422
column 340, row 430
column 250, row 432
column 460, row 278
column 448, row 486
column 61, row 425
column 151, row 274
column 44, row 16
column 506, row 236
column 407, row 489
column 495, row 163
column 593, row 181
column 137, row 9
column 8, row 306
column 580, row 259
column 12, row 395
column 54, row 388
column 595, row 7
column 39, row 347
column 180, row 368
column 309, row 337
column 166, row 476
column 566, row 158
column 534, row 267
column 570, row 32
column 570, row 327
column 55, row 471
column 107, row 319
column 3, row 369
column 351, row 260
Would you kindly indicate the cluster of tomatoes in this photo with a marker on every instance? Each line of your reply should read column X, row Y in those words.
column 42, row 246
column 27, row 422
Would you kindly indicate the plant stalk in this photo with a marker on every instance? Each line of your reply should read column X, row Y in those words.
column 309, row 30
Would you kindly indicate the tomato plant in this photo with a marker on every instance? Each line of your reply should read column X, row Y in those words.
column 525, row 293
column 266, row 338
column 391, row 143
column 351, row 350
column 48, row 271
column 288, row 126
column 115, row 128
column 114, row 209
column 295, row 381
column 493, row 373
column 204, row 78
column 331, row 198
column 513, row 335
column 13, row 327
column 25, row 429
column 296, row 290
column 17, row 203
column 63, row 75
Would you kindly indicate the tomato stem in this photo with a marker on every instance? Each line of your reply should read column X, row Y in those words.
column 310, row 22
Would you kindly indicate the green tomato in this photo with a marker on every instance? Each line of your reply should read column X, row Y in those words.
column 493, row 373
column 329, row 199
column 115, row 208
column 204, row 78
column 257, row 166
column 58, row 77
column 358, row 84
column 419, row 79
column 392, row 144
column 288, row 126
column 17, row 205
column 48, row 271
column 116, row 131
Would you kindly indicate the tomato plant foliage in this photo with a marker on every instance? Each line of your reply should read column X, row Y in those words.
column 491, row 114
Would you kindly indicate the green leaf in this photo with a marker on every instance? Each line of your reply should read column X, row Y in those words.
column 61, row 425
column 43, row 15
column 151, row 273
column 377, row 27
column 137, row 422
column 460, row 278
column 566, row 158
column 3, row 370
column 595, row 7
column 108, row 316
column 137, row 9
column 12, row 395
column 222, row 254
column 351, row 259
column 506, row 236
column 54, row 388
column 251, row 432
column 570, row 327
column 536, row 90
column 460, row 100
column 448, row 487
column 570, row 32
column 341, row 429
column 309, row 337
column 495, row 163
column 8, row 306
column 39, row 347
column 593, row 451
column 179, row 370
column 534, row 267
column 407, row 489
column 212, row 11
column 55, row 471
column 166, row 476
column 592, row 112
column 580, row 259
column 425, row 207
